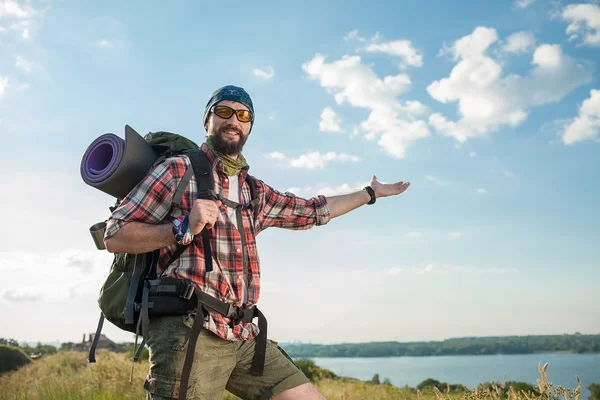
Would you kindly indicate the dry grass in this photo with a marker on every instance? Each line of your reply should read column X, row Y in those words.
column 68, row 376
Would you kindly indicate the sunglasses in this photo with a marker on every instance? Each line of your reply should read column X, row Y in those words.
column 226, row 113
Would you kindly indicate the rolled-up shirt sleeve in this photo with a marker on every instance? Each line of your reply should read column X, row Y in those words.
column 289, row 211
column 149, row 201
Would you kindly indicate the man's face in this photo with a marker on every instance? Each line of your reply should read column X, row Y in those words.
column 228, row 135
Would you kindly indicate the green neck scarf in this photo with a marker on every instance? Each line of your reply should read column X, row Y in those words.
column 233, row 166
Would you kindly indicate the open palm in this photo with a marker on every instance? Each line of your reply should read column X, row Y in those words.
column 388, row 189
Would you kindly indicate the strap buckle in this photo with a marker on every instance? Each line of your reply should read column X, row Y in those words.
column 188, row 292
column 207, row 194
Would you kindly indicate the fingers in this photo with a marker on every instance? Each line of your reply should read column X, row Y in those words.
column 204, row 214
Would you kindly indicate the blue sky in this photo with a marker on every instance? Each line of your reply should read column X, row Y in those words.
column 491, row 111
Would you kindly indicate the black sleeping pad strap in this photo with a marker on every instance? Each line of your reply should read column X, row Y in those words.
column 92, row 354
column 207, row 251
column 189, row 354
column 260, row 349
column 137, row 354
column 144, row 311
column 138, row 268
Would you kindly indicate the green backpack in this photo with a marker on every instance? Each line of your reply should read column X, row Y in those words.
column 122, row 294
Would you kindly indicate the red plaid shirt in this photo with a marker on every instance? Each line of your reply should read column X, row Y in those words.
column 151, row 202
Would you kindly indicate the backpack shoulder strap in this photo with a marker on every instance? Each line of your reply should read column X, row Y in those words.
column 253, row 194
column 205, row 190
column 182, row 186
column 204, row 176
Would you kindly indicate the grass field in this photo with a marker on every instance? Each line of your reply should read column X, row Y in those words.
column 68, row 376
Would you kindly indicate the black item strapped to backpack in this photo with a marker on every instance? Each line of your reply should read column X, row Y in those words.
column 133, row 293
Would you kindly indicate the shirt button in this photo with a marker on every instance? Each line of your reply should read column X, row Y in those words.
column 238, row 250
column 226, row 180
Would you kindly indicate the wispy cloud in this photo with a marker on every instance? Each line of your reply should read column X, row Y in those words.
column 55, row 276
column 454, row 235
column 415, row 235
column 472, row 154
column 524, row 3
column 487, row 100
column 313, row 160
column 481, row 191
column 520, row 42
column 444, row 269
column 18, row 16
column 21, row 295
column 436, row 180
column 586, row 126
column 265, row 74
column 106, row 44
column 3, row 85
column 584, row 22
column 11, row 8
column 23, row 64
column 400, row 48
column 330, row 122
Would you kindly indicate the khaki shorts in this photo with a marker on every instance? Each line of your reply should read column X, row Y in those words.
column 218, row 364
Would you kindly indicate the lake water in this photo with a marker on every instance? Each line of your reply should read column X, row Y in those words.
column 471, row 370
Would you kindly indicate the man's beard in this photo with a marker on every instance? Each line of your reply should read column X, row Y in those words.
column 228, row 147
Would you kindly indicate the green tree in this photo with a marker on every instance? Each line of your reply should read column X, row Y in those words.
column 375, row 379
column 594, row 389
column 12, row 358
column 9, row 342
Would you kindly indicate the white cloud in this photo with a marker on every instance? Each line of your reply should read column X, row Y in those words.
column 436, row 180
column 400, row 48
column 52, row 276
column 276, row 156
column 329, row 121
column 519, row 42
column 350, row 81
column 3, row 85
column 415, row 235
column 105, row 44
column 444, row 269
column 472, row 154
column 18, row 15
column 11, row 8
column 481, row 191
column 487, row 100
column 312, row 160
column 454, row 235
column 23, row 86
column 264, row 73
column 586, row 126
column 584, row 22
column 23, row 64
column 524, row 3
column 354, row 35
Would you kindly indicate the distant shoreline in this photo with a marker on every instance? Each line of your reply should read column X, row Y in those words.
column 474, row 346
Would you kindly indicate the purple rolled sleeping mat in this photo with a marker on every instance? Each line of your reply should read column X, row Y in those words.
column 115, row 166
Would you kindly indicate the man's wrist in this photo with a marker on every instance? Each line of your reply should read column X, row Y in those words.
column 181, row 230
column 372, row 196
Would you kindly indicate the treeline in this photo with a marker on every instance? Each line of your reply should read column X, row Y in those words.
column 39, row 348
column 576, row 343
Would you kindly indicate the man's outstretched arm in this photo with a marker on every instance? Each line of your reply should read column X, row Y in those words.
column 341, row 204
